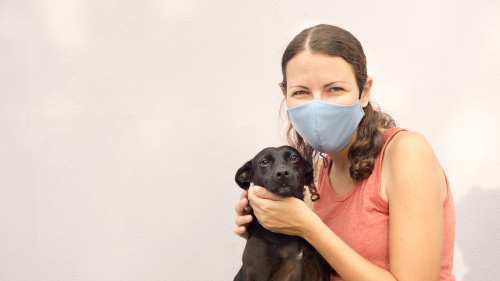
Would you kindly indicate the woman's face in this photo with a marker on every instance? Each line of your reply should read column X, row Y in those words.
column 314, row 76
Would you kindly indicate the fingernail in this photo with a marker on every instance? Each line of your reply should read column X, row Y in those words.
column 242, row 202
column 257, row 189
column 248, row 218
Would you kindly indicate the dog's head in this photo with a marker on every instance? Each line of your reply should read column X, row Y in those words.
column 281, row 170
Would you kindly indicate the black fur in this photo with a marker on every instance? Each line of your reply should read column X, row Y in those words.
column 274, row 256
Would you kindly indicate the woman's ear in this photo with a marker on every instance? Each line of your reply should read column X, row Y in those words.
column 244, row 175
column 365, row 95
column 283, row 89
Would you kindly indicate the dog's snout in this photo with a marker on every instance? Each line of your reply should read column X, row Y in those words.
column 282, row 173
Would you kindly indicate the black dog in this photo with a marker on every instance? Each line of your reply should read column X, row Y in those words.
column 274, row 256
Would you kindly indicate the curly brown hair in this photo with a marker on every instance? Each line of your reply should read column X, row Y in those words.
column 335, row 41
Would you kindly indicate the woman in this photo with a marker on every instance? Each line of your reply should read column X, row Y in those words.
column 385, row 210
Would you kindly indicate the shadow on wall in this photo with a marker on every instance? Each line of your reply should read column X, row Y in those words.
column 478, row 232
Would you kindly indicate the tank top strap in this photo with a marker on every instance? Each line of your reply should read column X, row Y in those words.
column 388, row 134
column 372, row 183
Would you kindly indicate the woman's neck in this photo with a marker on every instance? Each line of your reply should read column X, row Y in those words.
column 340, row 177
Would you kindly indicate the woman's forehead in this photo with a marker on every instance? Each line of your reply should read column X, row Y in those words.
column 307, row 67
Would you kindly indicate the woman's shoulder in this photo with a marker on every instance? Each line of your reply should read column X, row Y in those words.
column 409, row 160
column 405, row 147
column 405, row 141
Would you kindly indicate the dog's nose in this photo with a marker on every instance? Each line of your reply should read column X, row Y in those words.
column 282, row 173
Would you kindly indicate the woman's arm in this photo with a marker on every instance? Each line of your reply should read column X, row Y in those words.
column 415, row 191
column 416, row 218
column 292, row 216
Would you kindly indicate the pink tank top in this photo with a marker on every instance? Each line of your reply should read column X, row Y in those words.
column 361, row 217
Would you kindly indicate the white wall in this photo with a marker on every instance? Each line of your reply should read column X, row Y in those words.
column 122, row 124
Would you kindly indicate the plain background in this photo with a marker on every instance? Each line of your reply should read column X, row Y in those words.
column 122, row 124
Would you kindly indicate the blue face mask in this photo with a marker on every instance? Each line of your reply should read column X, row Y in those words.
column 326, row 126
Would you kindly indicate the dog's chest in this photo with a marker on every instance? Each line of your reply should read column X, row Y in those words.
column 292, row 266
column 291, row 251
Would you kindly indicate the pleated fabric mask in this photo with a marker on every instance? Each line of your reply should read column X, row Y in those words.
column 326, row 126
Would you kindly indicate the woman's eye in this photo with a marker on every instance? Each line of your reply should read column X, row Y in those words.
column 335, row 89
column 294, row 159
column 264, row 163
column 299, row 93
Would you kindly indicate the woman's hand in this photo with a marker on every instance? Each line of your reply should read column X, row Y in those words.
column 243, row 217
column 286, row 215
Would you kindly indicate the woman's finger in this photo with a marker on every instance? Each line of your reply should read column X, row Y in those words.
column 248, row 209
column 264, row 193
column 244, row 194
column 242, row 204
column 241, row 231
column 243, row 220
column 252, row 198
column 242, row 209
column 256, row 202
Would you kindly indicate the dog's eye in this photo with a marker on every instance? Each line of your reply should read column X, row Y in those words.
column 264, row 163
column 294, row 159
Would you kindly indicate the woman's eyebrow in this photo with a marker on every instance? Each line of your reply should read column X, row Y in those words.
column 329, row 84
column 333, row 83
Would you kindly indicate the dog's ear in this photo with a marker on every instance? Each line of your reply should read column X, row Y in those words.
column 244, row 175
column 309, row 172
